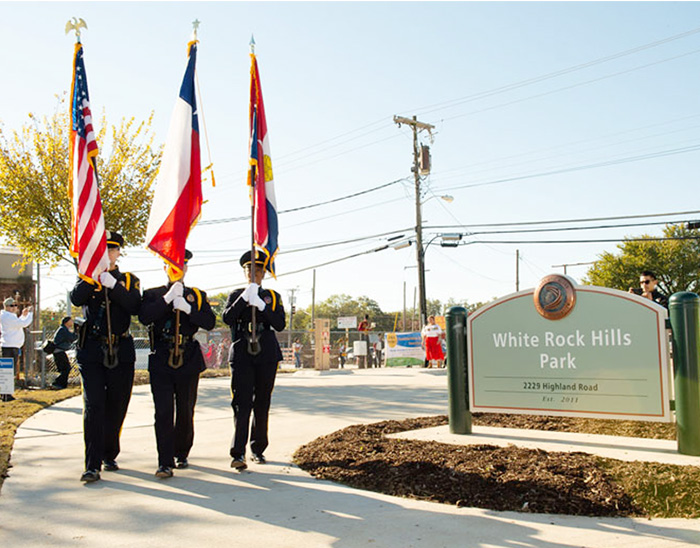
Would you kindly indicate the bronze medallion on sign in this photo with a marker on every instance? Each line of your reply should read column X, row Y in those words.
column 190, row 298
column 555, row 297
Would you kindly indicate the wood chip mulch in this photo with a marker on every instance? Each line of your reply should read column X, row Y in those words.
column 482, row 476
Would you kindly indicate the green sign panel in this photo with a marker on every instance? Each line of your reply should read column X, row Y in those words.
column 607, row 358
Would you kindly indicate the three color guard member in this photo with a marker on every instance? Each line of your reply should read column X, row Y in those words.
column 106, row 358
column 252, row 374
column 174, row 313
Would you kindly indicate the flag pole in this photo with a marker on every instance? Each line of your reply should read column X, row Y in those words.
column 253, row 344
column 175, row 359
column 75, row 24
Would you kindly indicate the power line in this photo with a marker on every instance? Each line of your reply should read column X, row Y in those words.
column 607, row 163
column 310, row 206
column 555, row 74
column 562, row 221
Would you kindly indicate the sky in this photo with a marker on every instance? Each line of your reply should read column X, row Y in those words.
column 585, row 112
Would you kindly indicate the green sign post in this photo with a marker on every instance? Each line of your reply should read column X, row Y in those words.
column 594, row 352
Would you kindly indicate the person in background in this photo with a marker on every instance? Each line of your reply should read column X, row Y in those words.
column 12, row 334
column 342, row 353
column 63, row 339
column 174, row 313
column 432, row 336
column 296, row 348
column 253, row 369
column 364, row 328
column 106, row 358
column 647, row 289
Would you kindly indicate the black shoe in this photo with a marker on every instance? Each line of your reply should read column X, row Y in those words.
column 258, row 458
column 239, row 463
column 182, row 463
column 8, row 397
column 89, row 476
column 111, row 465
column 164, row 472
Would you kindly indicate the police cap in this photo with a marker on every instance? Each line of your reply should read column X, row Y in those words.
column 114, row 239
column 245, row 259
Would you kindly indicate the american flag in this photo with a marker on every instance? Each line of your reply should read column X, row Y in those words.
column 88, row 236
column 260, row 176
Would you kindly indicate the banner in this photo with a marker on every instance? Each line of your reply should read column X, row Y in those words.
column 403, row 349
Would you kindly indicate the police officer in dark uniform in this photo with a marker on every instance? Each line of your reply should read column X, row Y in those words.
column 106, row 358
column 174, row 313
column 253, row 369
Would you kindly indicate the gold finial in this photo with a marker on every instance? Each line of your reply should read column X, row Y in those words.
column 75, row 24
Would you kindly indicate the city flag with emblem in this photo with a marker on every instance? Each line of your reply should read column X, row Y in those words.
column 177, row 199
column 260, row 179
column 88, row 235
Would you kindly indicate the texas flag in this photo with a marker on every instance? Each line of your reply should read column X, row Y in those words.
column 260, row 175
column 177, row 199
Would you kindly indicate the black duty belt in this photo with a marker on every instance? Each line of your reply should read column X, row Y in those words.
column 105, row 340
column 182, row 339
column 245, row 327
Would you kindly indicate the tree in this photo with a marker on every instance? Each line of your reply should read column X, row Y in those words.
column 344, row 305
column 676, row 262
column 35, row 211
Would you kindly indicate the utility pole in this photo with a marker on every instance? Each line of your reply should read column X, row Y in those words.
column 291, row 316
column 420, row 252
column 517, row 270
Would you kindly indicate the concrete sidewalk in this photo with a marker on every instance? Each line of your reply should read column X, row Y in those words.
column 276, row 505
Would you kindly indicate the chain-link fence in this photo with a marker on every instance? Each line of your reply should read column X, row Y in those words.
column 39, row 369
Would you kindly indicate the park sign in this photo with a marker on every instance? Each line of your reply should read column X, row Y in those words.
column 568, row 350
column 7, row 377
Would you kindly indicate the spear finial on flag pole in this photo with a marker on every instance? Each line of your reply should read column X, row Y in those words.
column 76, row 24
column 252, row 44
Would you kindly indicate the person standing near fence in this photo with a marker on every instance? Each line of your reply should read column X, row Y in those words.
column 12, row 334
column 63, row 339
column 297, row 348
column 106, row 358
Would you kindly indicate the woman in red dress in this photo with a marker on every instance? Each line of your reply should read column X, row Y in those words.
column 432, row 336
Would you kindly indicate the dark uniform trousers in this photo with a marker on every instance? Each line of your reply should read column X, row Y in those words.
column 106, row 390
column 253, row 377
column 106, row 396
column 175, row 390
column 173, row 395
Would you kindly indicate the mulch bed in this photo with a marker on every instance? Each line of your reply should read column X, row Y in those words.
column 482, row 476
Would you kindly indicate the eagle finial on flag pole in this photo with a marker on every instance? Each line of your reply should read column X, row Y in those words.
column 75, row 24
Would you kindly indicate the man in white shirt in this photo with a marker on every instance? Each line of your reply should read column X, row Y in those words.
column 12, row 334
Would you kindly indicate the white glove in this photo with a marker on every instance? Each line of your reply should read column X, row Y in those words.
column 257, row 301
column 179, row 303
column 174, row 291
column 107, row 280
column 250, row 292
